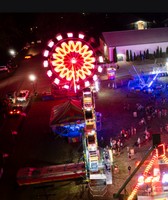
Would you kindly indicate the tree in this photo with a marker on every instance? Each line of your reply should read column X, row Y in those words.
column 144, row 55
column 166, row 50
column 157, row 52
column 135, row 56
column 131, row 59
column 160, row 52
column 147, row 54
column 127, row 56
column 140, row 54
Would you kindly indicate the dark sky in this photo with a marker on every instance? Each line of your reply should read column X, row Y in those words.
column 90, row 22
column 93, row 20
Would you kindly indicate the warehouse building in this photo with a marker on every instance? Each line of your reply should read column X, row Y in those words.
column 135, row 41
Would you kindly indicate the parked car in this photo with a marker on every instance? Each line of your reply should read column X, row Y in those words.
column 15, row 110
column 23, row 95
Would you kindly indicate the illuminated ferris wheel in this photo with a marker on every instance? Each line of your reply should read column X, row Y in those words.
column 70, row 61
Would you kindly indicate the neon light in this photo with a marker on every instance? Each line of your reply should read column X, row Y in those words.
column 87, row 84
column 49, row 73
column 45, row 63
column 50, row 44
column 74, row 53
column 101, row 60
column 131, row 196
column 73, row 60
column 81, row 36
column 95, row 77
column 149, row 85
column 70, row 34
column 141, row 180
column 46, row 53
column 56, row 81
column 66, row 86
column 59, row 37
column 160, row 151
column 100, row 69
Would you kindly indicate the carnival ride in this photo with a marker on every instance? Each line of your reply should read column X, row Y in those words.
column 157, row 179
column 71, row 63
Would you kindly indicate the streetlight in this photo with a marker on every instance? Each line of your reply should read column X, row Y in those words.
column 32, row 78
column 12, row 52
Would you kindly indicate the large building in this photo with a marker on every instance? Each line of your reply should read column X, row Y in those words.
column 136, row 41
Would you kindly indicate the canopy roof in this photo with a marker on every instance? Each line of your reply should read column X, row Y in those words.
column 67, row 112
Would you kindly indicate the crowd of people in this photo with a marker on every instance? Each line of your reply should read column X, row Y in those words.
column 155, row 108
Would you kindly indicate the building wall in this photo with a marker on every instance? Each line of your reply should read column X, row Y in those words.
column 121, row 50
column 103, row 48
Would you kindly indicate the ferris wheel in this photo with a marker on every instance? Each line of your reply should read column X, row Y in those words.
column 70, row 61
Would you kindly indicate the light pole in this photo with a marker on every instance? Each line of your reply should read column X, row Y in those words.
column 32, row 78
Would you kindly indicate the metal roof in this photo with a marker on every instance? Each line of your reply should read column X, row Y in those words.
column 134, row 37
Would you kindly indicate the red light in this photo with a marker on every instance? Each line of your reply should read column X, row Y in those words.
column 160, row 151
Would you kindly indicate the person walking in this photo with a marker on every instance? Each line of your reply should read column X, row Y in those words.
column 129, row 155
column 139, row 142
column 129, row 169
column 102, row 142
column 111, row 143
